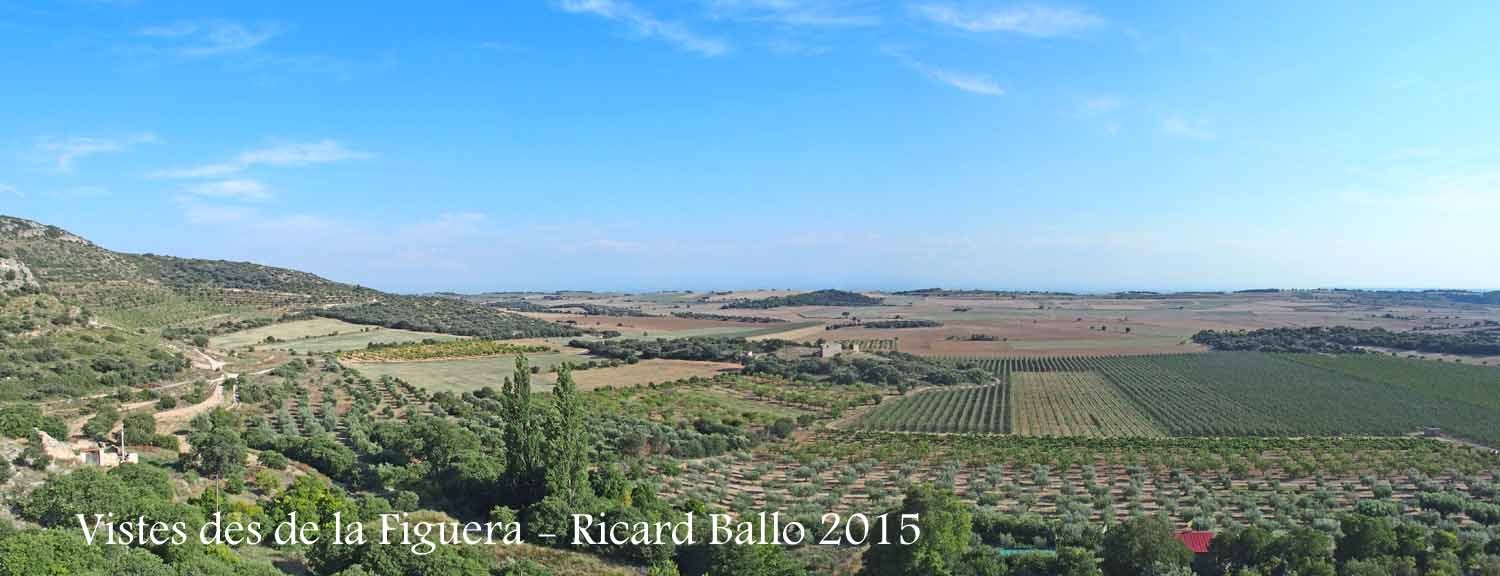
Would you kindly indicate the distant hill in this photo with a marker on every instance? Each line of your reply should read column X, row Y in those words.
column 188, row 295
column 818, row 298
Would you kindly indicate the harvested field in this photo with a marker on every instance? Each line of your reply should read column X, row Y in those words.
column 466, row 375
column 320, row 335
column 643, row 372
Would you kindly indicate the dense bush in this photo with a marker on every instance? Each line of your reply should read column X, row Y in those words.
column 447, row 316
column 1343, row 339
column 818, row 298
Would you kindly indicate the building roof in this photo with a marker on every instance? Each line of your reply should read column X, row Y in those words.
column 1196, row 540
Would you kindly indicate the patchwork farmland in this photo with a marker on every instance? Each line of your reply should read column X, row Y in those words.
column 1224, row 394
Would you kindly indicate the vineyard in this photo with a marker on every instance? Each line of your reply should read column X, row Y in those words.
column 1073, row 404
column 970, row 409
column 875, row 344
column 429, row 350
column 1221, row 394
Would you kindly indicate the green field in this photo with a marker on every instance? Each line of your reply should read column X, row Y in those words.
column 1258, row 394
column 320, row 335
column 1462, row 382
column 968, row 409
column 464, row 375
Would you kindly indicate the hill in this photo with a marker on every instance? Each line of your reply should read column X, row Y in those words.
column 190, row 296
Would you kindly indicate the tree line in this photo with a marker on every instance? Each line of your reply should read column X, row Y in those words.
column 1348, row 340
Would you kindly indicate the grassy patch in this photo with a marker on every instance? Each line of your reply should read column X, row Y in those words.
column 465, row 375
column 320, row 335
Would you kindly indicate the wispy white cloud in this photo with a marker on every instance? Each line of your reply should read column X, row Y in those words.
column 1037, row 21
column 973, row 83
column 646, row 25
column 1098, row 106
column 237, row 189
column 8, row 190
column 210, row 37
column 824, row 13
column 294, row 154
column 1180, row 126
column 66, row 152
column 1101, row 109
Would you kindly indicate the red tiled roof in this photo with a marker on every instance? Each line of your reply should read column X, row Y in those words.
column 1197, row 541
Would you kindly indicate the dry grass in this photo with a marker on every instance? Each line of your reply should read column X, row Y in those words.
column 643, row 372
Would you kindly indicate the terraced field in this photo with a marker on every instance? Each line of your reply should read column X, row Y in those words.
column 1074, row 404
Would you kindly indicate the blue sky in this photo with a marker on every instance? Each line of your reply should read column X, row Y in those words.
column 612, row 144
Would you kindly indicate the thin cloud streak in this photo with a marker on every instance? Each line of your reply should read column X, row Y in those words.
column 1179, row 126
column 240, row 189
column 66, row 152
column 646, row 25
column 970, row 82
column 211, row 37
column 812, row 13
column 296, row 154
column 1031, row 20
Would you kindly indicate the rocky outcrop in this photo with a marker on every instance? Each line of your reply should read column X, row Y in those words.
column 14, row 275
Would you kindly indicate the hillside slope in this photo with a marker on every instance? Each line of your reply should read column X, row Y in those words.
column 148, row 292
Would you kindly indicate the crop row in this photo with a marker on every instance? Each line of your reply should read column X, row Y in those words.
column 970, row 409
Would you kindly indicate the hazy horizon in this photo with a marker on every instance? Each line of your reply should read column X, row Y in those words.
column 712, row 144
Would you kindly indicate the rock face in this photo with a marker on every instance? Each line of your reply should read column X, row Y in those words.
column 21, row 229
column 58, row 450
column 14, row 275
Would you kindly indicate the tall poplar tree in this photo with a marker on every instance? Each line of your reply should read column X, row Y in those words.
column 523, row 443
column 567, row 463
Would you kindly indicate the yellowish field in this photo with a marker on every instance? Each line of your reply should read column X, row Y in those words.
column 1073, row 404
column 320, row 335
column 643, row 372
column 466, row 375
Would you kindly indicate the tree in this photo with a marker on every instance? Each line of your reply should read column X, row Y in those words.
column 1303, row 551
column 567, row 462
column 946, row 526
column 34, row 455
column 1075, row 561
column 751, row 560
column 1243, row 548
column 99, row 426
column 140, row 428
column 523, row 460
column 313, row 500
column 1142, row 545
column 1365, row 537
column 218, row 450
column 273, row 460
column 62, row 552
